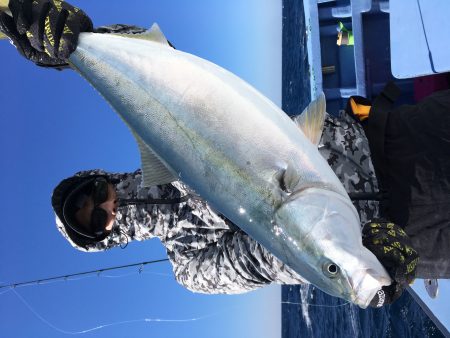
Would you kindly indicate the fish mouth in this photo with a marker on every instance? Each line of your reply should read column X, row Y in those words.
column 365, row 285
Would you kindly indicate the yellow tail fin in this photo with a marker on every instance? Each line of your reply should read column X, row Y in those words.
column 4, row 5
column 4, row 8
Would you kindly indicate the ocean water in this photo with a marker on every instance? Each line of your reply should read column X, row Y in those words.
column 307, row 311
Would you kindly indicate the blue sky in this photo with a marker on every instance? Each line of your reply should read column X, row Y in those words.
column 54, row 124
column 439, row 305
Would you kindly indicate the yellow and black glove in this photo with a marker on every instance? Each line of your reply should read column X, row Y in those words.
column 45, row 31
column 392, row 246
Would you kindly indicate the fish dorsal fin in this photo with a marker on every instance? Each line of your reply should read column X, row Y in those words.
column 153, row 34
column 312, row 119
column 154, row 171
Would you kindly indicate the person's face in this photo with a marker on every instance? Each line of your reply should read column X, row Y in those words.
column 83, row 216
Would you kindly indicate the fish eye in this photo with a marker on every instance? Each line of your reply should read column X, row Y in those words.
column 330, row 269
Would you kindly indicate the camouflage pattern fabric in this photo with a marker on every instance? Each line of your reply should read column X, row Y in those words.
column 120, row 29
column 208, row 253
column 346, row 148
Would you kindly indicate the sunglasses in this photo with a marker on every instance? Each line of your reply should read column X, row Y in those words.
column 99, row 217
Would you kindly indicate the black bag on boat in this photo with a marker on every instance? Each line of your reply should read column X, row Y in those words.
column 410, row 147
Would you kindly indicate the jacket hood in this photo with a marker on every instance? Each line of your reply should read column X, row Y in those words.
column 143, row 212
column 60, row 193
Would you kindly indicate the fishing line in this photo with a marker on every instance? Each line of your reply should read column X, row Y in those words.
column 6, row 291
column 145, row 320
column 317, row 305
column 131, row 321
column 98, row 273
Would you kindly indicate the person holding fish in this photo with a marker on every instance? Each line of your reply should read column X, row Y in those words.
column 97, row 210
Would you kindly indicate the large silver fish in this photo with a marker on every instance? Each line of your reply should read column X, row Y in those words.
column 197, row 122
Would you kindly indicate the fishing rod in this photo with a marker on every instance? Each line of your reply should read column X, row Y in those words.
column 38, row 281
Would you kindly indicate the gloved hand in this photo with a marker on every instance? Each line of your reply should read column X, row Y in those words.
column 392, row 246
column 45, row 31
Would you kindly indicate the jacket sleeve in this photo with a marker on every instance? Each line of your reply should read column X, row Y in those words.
column 119, row 29
column 123, row 29
column 345, row 147
column 210, row 255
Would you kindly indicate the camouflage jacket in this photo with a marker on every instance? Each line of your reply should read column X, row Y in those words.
column 208, row 253
column 346, row 148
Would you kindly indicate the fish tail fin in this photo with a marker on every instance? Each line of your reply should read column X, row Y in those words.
column 4, row 8
column 4, row 5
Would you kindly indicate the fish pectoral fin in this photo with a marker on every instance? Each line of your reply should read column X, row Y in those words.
column 154, row 171
column 288, row 179
column 291, row 178
column 153, row 34
column 312, row 119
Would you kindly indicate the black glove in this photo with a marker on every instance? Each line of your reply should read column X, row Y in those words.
column 387, row 295
column 45, row 31
column 392, row 246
